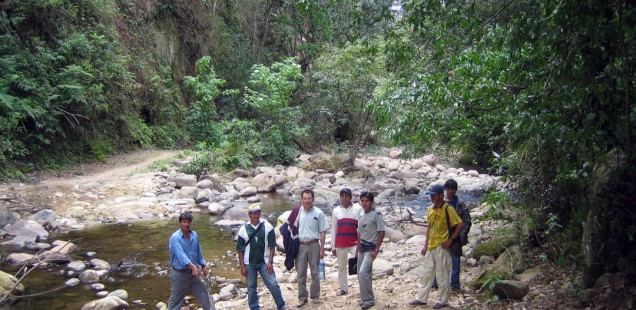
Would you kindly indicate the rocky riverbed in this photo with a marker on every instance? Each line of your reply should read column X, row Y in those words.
column 124, row 193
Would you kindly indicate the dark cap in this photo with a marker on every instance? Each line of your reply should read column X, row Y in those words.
column 435, row 189
column 345, row 191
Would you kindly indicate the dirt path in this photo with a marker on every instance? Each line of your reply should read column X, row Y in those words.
column 57, row 190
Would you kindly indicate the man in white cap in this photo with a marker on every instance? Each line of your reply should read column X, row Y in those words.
column 256, row 247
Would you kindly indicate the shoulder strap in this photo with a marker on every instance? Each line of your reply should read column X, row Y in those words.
column 253, row 234
column 448, row 221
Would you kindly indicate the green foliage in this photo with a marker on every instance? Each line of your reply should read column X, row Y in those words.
column 541, row 93
column 270, row 94
column 200, row 162
column 203, row 117
column 346, row 80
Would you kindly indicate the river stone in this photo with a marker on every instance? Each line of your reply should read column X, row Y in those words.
column 100, row 264
column 7, row 282
column 304, row 183
column 267, row 182
column 216, row 208
column 203, row 195
column 19, row 258
column 29, row 228
column 55, row 258
column 89, row 276
column 44, row 217
column 429, row 159
column 393, row 234
column 6, row 216
column 253, row 199
column 417, row 240
column 102, row 294
column 119, row 293
column 226, row 292
column 106, row 303
column 205, row 184
column 182, row 180
column 98, row 287
column 77, row 266
column 381, row 266
column 236, row 213
column 189, row 192
column 248, row 191
column 393, row 165
column 510, row 289
column 63, row 247
column 72, row 282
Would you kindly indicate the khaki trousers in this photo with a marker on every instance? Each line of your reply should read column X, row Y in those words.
column 436, row 263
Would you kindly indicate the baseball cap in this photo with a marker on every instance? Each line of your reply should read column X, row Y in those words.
column 435, row 189
column 253, row 208
column 345, row 191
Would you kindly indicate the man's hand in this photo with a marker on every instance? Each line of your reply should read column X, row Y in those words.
column 322, row 253
column 374, row 254
column 447, row 244
column 204, row 270
column 423, row 252
column 243, row 270
column 270, row 267
column 195, row 272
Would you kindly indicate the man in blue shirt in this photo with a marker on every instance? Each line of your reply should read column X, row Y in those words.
column 185, row 257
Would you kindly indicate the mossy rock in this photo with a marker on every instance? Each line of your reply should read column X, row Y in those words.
column 488, row 274
column 505, row 267
column 7, row 282
column 493, row 247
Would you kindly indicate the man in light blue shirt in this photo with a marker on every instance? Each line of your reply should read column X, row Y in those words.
column 312, row 230
column 185, row 257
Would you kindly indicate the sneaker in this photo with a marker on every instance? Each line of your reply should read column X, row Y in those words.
column 456, row 289
column 301, row 303
column 341, row 292
column 367, row 306
column 417, row 303
column 439, row 305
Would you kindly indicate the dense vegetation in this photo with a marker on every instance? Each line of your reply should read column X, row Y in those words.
column 540, row 92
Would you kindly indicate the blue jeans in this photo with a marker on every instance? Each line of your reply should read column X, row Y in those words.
column 454, row 272
column 270, row 283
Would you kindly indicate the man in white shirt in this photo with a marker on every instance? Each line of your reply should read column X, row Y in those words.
column 344, row 227
column 312, row 230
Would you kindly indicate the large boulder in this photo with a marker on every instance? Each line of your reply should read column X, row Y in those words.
column 44, row 217
column 29, row 228
column 267, row 182
column 182, row 180
column 325, row 161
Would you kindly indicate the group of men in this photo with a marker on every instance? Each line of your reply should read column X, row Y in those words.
column 357, row 231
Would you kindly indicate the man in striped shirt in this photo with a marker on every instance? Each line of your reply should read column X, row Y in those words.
column 344, row 235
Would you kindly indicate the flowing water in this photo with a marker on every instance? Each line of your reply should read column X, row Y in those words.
column 141, row 250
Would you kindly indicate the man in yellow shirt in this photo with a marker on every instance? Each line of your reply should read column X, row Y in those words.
column 436, row 251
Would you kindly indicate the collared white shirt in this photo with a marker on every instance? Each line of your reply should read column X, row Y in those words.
column 311, row 224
